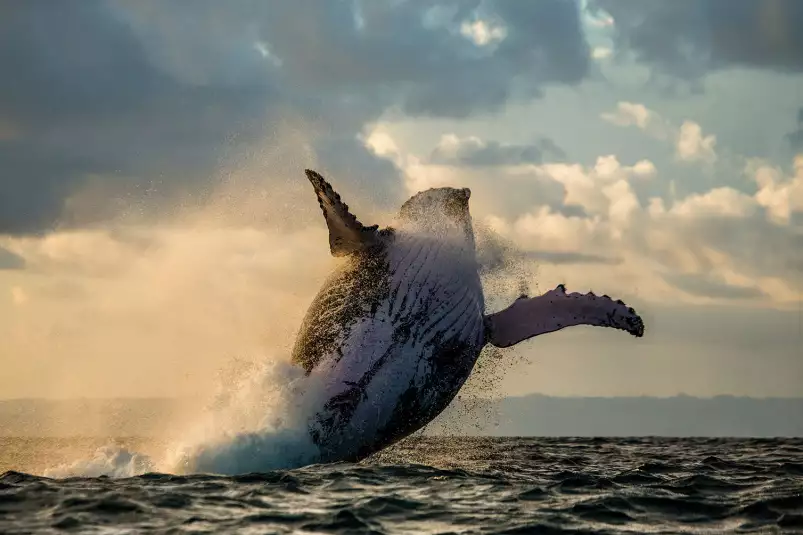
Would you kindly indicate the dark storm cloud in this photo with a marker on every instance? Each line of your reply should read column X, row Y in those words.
column 476, row 153
column 143, row 93
column 796, row 137
column 379, row 53
column 82, row 97
column 689, row 39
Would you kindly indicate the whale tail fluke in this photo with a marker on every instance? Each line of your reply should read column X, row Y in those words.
column 530, row 316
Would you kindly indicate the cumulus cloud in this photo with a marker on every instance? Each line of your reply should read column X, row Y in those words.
column 692, row 146
column 143, row 101
column 443, row 168
column 603, row 189
column 632, row 114
column 781, row 196
column 690, row 143
column 690, row 39
column 718, row 202
column 719, row 244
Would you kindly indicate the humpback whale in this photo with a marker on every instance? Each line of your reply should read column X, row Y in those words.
column 395, row 331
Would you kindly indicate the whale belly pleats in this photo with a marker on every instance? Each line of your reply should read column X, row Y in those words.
column 399, row 364
column 352, row 294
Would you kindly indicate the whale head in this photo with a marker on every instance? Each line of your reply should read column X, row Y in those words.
column 439, row 212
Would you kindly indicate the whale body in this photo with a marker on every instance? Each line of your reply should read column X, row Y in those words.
column 395, row 331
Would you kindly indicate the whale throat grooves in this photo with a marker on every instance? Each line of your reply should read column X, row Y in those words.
column 355, row 290
column 393, row 334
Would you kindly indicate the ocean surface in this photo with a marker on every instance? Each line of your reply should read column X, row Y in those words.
column 445, row 485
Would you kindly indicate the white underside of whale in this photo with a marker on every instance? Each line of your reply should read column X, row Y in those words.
column 420, row 268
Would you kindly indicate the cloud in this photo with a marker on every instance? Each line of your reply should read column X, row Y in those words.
column 601, row 52
column 444, row 166
column 482, row 33
column 690, row 143
column 600, row 190
column 723, row 233
column 147, row 102
column 718, row 202
column 8, row 131
column 779, row 195
column 637, row 115
column 690, row 39
column 559, row 257
column 475, row 152
column 796, row 137
column 9, row 260
column 631, row 113
column 714, row 244
column 692, row 146
column 89, row 101
column 708, row 287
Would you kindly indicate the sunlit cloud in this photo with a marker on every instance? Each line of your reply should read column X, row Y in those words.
column 693, row 146
column 483, row 33
column 656, row 236
column 601, row 52
column 638, row 115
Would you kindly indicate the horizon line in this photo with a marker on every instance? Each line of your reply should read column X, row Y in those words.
column 497, row 398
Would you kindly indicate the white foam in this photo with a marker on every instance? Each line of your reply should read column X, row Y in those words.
column 256, row 424
column 111, row 461
column 231, row 441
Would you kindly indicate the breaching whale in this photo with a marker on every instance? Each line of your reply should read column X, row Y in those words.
column 395, row 331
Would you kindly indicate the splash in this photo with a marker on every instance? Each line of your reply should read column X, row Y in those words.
column 257, row 422
column 111, row 461
column 258, row 426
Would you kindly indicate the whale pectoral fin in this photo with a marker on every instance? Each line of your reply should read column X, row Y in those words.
column 346, row 234
column 556, row 309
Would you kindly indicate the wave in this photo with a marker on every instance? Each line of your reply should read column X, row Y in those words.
column 499, row 488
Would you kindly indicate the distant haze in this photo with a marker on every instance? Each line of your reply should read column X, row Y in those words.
column 680, row 416
column 533, row 415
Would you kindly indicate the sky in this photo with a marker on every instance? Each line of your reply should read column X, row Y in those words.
column 157, row 230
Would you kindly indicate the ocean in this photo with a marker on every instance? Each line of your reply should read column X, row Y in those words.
column 437, row 485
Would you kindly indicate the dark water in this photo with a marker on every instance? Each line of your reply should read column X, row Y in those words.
column 438, row 485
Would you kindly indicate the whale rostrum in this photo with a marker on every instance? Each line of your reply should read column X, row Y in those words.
column 396, row 329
